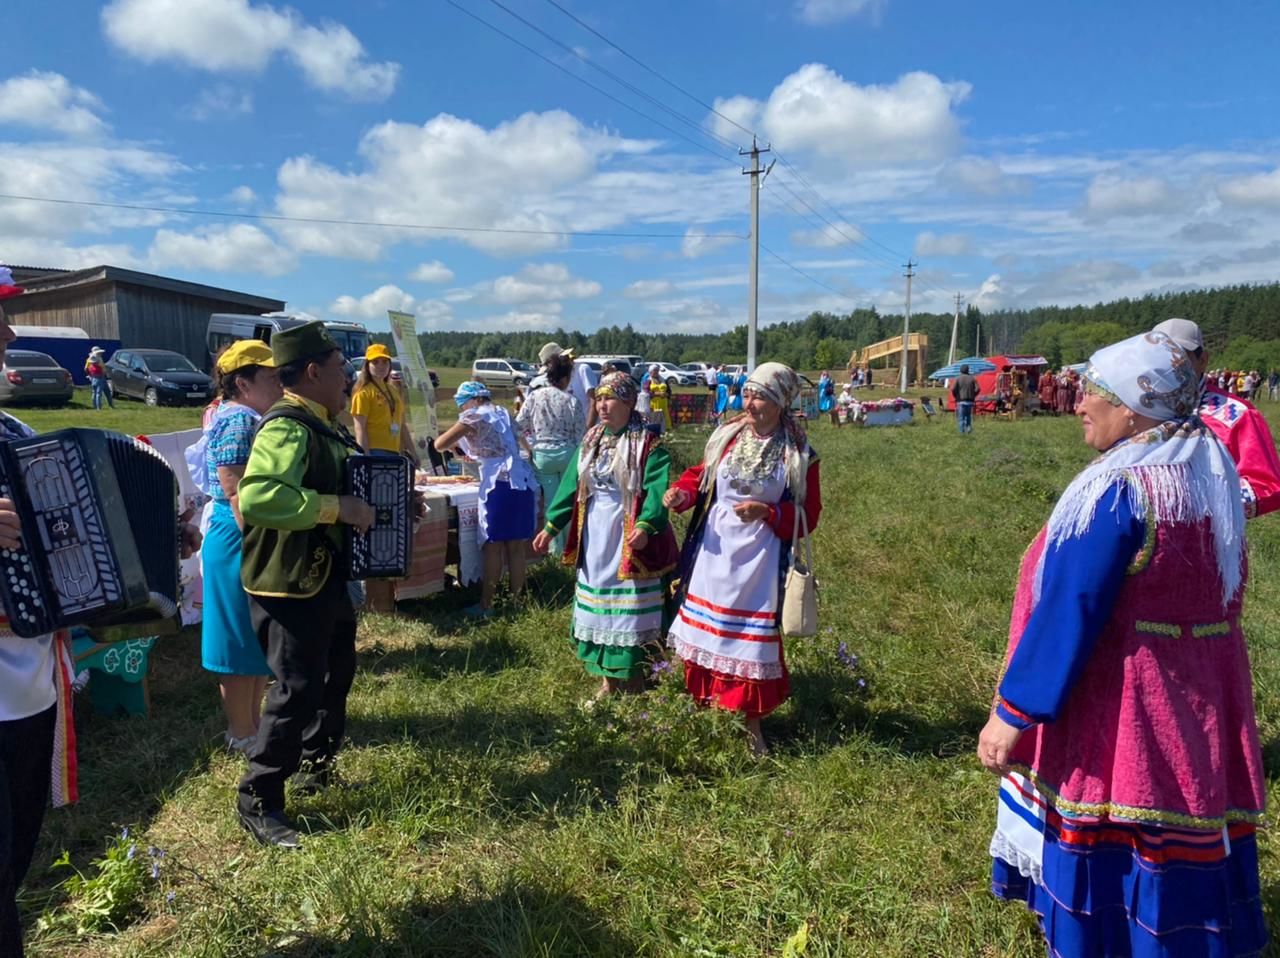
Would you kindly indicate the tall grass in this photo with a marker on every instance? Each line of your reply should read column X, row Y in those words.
column 489, row 813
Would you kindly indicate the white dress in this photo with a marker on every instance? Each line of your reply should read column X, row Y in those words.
column 728, row 621
column 608, row 610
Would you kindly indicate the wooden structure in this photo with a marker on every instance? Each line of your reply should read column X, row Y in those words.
column 136, row 309
column 917, row 354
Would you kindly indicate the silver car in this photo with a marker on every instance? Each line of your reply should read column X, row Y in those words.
column 28, row 376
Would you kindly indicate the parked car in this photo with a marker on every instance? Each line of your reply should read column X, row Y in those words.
column 697, row 369
column 397, row 371
column 503, row 372
column 227, row 328
column 157, row 377
column 672, row 374
column 620, row 363
column 29, row 376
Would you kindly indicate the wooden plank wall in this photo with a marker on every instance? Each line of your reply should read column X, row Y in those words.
column 92, row 309
column 158, row 319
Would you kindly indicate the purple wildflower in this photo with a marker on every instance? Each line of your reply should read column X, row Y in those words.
column 642, row 717
column 862, row 683
column 155, row 869
column 155, row 852
column 133, row 850
column 846, row 658
column 661, row 667
column 124, row 832
column 170, row 897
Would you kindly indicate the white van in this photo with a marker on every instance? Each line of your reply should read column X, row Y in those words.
column 227, row 328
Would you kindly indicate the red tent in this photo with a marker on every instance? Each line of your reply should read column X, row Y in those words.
column 1032, row 365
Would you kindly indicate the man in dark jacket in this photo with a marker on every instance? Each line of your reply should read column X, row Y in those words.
column 965, row 392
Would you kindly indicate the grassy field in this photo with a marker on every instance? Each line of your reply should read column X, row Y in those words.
column 489, row 813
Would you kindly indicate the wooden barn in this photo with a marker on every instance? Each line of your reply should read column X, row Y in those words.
column 137, row 309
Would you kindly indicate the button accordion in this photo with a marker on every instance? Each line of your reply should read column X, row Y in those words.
column 386, row 550
column 100, row 535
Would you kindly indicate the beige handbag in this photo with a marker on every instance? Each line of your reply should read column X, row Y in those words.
column 800, row 591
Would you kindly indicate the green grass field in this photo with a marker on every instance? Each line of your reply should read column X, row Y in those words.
column 489, row 813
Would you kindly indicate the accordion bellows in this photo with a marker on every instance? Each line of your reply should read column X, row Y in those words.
column 100, row 534
column 386, row 550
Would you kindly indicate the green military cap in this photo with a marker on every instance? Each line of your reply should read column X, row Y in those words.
column 301, row 342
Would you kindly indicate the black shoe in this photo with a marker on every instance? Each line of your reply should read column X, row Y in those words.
column 271, row 828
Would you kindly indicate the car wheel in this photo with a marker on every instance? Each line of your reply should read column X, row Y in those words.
column 151, row 397
column 521, row 381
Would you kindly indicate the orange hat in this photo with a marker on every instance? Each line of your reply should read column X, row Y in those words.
column 376, row 351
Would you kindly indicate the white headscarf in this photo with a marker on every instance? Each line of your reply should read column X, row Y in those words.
column 1177, row 471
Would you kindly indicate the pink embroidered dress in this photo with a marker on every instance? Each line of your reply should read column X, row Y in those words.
column 1127, row 823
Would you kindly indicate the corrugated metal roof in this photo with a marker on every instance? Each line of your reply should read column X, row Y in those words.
column 56, row 281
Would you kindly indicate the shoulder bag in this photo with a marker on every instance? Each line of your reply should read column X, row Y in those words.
column 800, row 590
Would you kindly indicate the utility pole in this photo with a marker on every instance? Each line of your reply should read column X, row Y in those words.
column 757, row 177
column 955, row 329
column 977, row 339
column 906, row 324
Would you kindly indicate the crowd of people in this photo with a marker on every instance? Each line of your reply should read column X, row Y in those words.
column 1122, row 729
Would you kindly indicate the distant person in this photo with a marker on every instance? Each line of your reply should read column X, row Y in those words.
column 827, row 396
column 378, row 408
column 583, row 383
column 965, row 393
column 926, row 406
column 1242, row 429
column 1064, row 394
column 552, row 423
column 659, row 400
column 1048, row 390
column 99, row 384
column 866, row 375
column 1273, row 385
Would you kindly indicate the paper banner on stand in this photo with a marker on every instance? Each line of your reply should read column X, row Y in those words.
column 413, row 366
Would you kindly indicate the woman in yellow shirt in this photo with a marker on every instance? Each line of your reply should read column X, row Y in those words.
column 378, row 408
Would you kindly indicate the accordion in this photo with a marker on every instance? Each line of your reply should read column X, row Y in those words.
column 386, row 550
column 100, row 535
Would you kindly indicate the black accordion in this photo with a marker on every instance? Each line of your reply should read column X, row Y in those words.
column 386, row 550
column 100, row 534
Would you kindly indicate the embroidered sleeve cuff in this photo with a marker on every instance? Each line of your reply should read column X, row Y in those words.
column 648, row 529
column 328, row 514
column 550, row 530
column 1250, row 498
column 1010, row 714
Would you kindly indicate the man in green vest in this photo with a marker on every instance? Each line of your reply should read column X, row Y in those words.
column 293, row 569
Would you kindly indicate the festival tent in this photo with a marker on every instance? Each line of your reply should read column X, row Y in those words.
column 991, row 367
column 976, row 365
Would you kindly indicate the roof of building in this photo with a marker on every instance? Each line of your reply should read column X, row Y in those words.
column 39, row 280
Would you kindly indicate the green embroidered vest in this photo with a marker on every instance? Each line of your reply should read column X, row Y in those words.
column 281, row 563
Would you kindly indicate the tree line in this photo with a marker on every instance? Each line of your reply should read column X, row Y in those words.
column 1241, row 326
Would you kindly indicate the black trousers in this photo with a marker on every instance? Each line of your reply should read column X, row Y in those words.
column 26, row 756
column 310, row 646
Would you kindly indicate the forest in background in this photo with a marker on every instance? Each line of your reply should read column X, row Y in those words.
column 1241, row 326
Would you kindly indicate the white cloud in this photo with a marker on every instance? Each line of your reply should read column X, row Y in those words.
column 943, row 244
column 990, row 295
column 825, row 238
column 239, row 248
column 432, row 272
column 1259, row 189
column 40, row 98
column 243, row 196
column 542, row 283
column 450, row 171
column 815, row 109
column 222, row 99
column 374, row 306
column 238, row 36
column 1108, row 196
column 693, row 314
column 981, row 175
column 648, row 288
column 821, row 12
column 697, row 242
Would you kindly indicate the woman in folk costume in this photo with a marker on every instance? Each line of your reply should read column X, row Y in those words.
column 1124, row 728
column 1048, row 389
column 755, row 472
column 508, row 489
column 610, row 500
column 659, row 399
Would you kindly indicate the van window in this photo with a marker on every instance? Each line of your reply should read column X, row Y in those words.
column 220, row 341
column 263, row 332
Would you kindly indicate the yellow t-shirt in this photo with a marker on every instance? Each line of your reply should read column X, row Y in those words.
column 383, row 426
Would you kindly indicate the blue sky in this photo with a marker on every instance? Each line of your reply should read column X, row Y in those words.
column 1022, row 154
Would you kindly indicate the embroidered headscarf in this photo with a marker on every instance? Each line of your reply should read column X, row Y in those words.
column 627, row 447
column 471, row 390
column 617, row 386
column 1177, row 471
column 780, row 385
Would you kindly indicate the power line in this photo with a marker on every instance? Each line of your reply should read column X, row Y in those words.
column 810, row 277
column 603, row 92
column 614, row 77
column 640, row 63
column 380, row 224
